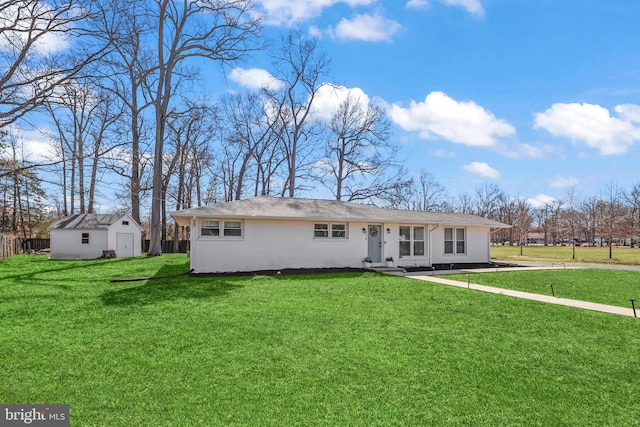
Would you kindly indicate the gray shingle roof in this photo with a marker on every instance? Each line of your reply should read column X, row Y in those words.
column 325, row 210
column 87, row 221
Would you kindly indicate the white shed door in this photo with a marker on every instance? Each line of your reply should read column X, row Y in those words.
column 124, row 245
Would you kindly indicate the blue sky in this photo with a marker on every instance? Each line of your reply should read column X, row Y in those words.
column 539, row 97
column 536, row 96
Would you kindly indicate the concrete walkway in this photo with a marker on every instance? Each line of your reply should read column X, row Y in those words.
column 622, row 311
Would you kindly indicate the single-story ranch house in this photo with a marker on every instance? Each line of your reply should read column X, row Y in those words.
column 88, row 236
column 271, row 233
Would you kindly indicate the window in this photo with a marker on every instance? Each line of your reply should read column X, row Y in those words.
column 418, row 241
column 233, row 229
column 405, row 240
column 412, row 240
column 321, row 230
column 125, row 222
column 85, row 238
column 338, row 230
column 218, row 228
column 460, row 240
column 454, row 240
column 210, row 228
column 328, row 230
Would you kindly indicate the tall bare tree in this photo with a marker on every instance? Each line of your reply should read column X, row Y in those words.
column 35, row 38
column 127, row 72
column 571, row 218
column 215, row 30
column 300, row 65
column 633, row 202
column 358, row 156
column 612, row 197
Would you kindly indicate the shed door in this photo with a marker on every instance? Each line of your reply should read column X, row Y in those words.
column 124, row 245
column 375, row 243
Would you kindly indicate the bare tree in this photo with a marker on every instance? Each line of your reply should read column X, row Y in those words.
column 34, row 40
column 488, row 198
column 522, row 220
column 126, row 72
column 358, row 154
column 209, row 29
column 464, row 204
column 633, row 202
column 612, row 197
column 571, row 218
column 250, row 137
column 300, row 65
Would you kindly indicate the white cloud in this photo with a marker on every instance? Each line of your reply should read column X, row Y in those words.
column 329, row 97
column 20, row 25
column 482, row 169
column 563, row 182
column 255, row 78
column 461, row 122
column 31, row 145
column 289, row 12
column 540, row 200
column 527, row 151
column 628, row 112
column 365, row 27
column 445, row 154
column 593, row 125
column 472, row 6
column 417, row 4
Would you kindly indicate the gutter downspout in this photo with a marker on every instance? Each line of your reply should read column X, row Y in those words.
column 430, row 243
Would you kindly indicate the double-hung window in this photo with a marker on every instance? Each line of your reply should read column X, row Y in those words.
column 232, row 229
column 455, row 241
column 330, row 230
column 221, row 228
column 85, row 238
column 412, row 240
column 210, row 228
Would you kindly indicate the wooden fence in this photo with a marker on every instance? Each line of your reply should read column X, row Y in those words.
column 7, row 247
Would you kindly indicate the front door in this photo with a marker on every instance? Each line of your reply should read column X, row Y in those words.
column 375, row 243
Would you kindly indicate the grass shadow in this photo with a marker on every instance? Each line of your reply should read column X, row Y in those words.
column 168, row 289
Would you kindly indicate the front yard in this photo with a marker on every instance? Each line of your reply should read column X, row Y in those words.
column 351, row 349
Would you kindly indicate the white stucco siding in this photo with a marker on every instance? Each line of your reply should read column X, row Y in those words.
column 67, row 243
column 476, row 242
column 274, row 245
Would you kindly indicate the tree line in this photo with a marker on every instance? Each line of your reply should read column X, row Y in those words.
column 120, row 87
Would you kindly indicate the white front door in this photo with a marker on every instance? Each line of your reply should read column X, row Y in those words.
column 124, row 245
column 375, row 243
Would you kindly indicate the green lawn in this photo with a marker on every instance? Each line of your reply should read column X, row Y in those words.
column 564, row 254
column 611, row 287
column 359, row 350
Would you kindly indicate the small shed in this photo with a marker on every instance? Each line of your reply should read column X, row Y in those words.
column 88, row 236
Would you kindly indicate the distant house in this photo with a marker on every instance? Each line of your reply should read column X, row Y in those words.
column 87, row 236
column 270, row 233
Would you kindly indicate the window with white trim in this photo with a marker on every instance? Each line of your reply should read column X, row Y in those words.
column 85, row 238
column 221, row 228
column 412, row 240
column 233, row 229
column 210, row 228
column 455, row 240
column 330, row 230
